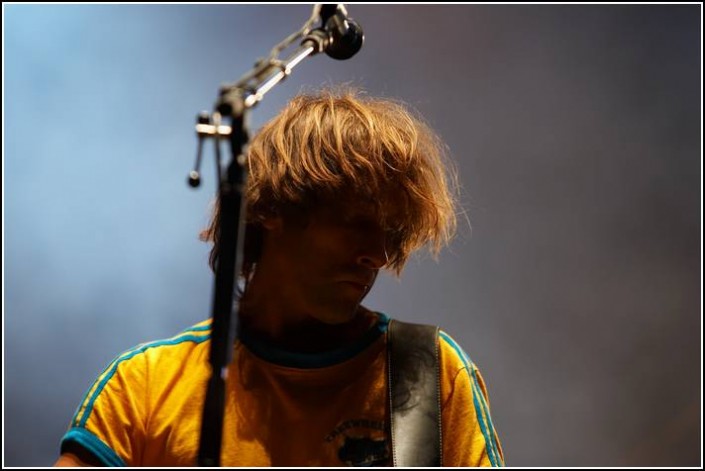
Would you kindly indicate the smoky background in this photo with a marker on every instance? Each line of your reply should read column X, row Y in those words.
column 576, row 129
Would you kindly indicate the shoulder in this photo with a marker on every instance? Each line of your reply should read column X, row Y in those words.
column 453, row 356
column 190, row 344
column 120, row 390
column 182, row 344
column 457, row 370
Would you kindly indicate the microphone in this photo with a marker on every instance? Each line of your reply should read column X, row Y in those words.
column 345, row 35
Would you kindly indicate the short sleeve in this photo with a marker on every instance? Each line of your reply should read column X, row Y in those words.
column 469, row 436
column 110, row 420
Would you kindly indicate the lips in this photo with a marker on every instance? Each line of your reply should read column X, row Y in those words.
column 361, row 281
column 360, row 286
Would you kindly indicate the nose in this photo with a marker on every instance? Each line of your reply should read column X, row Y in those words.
column 373, row 254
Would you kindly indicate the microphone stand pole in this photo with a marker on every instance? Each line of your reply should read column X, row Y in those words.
column 234, row 102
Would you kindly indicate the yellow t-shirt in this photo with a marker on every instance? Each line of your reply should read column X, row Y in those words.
column 282, row 408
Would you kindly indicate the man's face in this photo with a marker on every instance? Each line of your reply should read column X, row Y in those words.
column 323, row 268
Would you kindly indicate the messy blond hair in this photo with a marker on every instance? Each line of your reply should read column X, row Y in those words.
column 342, row 142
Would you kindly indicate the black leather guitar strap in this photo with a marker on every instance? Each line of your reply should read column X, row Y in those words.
column 414, row 394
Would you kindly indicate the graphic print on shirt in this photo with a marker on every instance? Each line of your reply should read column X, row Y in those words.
column 360, row 442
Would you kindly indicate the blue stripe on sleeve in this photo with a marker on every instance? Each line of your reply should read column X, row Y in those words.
column 201, row 328
column 74, row 420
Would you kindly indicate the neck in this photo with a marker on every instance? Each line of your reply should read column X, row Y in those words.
column 261, row 317
column 310, row 336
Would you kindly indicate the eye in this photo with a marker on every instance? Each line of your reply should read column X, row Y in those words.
column 355, row 219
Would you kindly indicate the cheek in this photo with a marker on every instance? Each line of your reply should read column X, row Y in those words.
column 323, row 255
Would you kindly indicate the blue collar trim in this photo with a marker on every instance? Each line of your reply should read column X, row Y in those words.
column 276, row 355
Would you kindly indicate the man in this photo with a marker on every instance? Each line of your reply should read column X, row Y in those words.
column 340, row 186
